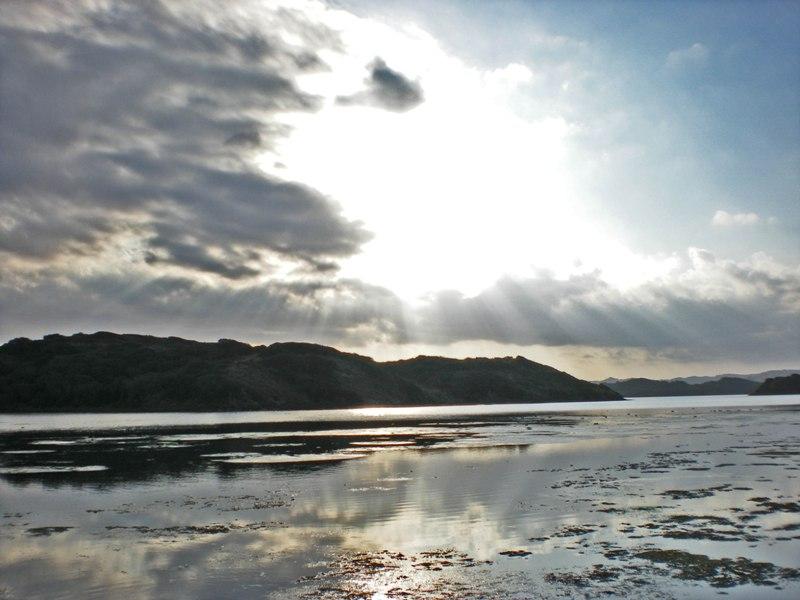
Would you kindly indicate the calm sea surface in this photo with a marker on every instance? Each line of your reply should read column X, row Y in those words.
column 647, row 498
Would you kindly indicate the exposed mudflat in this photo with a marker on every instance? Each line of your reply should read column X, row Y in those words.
column 641, row 503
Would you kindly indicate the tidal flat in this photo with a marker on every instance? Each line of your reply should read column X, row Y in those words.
column 657, row 498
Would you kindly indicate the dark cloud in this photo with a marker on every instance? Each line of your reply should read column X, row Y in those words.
column 141, row 117
column 387, row 89
column 197, row 257
column 250, row 138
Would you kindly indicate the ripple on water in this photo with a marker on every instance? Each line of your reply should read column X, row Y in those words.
column 270, row 459
column 31, row 470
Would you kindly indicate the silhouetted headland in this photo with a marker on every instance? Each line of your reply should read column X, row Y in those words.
column 776, row 386
column 108, row 372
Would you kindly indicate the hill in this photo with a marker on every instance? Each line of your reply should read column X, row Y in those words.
column 108, row 372
column 495, row 380
column 779, row 385
column 640, row 387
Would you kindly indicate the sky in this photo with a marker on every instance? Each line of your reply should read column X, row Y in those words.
column 612, row 188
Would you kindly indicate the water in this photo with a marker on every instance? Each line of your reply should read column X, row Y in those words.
column 99, row 421
column 650, row 498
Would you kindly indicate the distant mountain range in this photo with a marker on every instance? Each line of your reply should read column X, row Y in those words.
column 639, row 387
column 695, row 379
column 717, row 385
column 108, row 372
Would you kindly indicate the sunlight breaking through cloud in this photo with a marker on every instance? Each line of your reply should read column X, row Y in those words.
column 294, row 169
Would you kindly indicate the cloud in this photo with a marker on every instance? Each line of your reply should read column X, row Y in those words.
column 250, row 138
column 711, row 309
column 131, row 196
column 131, row 119
column 723, row 218
column 386, row 88
column 695, row 55
column 333, row 312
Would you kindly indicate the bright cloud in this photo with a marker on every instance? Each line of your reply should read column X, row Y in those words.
column 459, row 187
column 723, row 218
column 693, row 56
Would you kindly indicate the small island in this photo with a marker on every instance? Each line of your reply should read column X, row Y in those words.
column 109, row 372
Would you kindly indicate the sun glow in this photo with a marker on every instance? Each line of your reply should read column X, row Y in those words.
column 457, row 191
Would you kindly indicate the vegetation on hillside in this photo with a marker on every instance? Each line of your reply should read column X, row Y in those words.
column 108, row 372
column 779, row 385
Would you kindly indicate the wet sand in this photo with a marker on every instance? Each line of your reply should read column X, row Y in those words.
column 655, row 501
